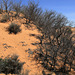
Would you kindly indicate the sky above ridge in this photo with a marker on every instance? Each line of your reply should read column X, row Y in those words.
column 65, row 7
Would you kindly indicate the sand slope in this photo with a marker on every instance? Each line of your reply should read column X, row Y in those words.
column 18, row 44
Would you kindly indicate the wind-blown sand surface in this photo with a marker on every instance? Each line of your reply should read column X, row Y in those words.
column 18, row 44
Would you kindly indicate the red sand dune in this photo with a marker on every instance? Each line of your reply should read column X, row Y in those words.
column 18, row 44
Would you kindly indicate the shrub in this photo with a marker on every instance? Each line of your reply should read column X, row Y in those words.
column 17, row 7
column 14, row 28
column 32, row 11
column 55, row 50
column 11, row 65
column 4, row 18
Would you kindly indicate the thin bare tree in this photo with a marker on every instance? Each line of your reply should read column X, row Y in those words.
column 1, row 6
column 17, row 7
column 7, row 4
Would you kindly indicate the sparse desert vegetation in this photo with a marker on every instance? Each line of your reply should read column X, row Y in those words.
column 10, row 65
column 46, row 42
column 4, row 18
column 14, row 28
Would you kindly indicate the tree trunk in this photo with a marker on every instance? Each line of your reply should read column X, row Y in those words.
column 6, row 9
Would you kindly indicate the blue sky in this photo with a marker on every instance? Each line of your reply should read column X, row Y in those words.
column 65, row 7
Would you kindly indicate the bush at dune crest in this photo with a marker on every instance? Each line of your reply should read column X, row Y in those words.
column 14, row 28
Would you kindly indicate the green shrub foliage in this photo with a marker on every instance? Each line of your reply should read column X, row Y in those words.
column 14, row 28
column 11, row 65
